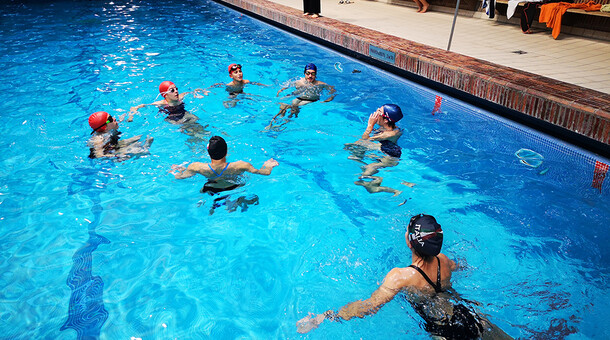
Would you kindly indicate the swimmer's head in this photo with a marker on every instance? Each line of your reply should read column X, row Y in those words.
column 425, row 235
column 233, row 68
column 164, row 87
column 217, row 148
column 392, row 112
column 310, row 67
column 98, row 121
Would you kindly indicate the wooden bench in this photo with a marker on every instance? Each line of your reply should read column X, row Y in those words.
column 576, row 18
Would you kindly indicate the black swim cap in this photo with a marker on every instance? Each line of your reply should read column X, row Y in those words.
column 425, row 235
column 217, row 148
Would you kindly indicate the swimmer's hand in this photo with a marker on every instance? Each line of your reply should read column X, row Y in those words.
column 178, row 168
column 370, row 125
column 271, row 163
column 133, row 111
column 308, row 323
column 199, row 93
column 373, row 119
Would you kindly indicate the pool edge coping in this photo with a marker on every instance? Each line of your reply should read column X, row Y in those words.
column 578, row 115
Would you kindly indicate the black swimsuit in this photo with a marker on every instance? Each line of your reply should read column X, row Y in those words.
column 390, row 148
column 437, row 286
column 210, row 189
column 174, row 113
column 464, row 323
column 110, row 147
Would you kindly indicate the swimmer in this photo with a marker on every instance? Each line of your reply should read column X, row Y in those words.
column 221, row 175
column 237, row 84
column 387, row 135
column 307, row 90
column 105, row 139
column 426, row 284
column 171, row 104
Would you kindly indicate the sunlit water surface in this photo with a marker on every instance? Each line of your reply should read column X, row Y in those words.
column 121, row 250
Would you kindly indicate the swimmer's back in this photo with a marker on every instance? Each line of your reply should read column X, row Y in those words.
column 231, row 169
column 418, row 282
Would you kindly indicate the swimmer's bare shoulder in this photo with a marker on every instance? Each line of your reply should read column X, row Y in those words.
column 446, row 260
column 399, row 278
column 241, row 166
column 195, row 168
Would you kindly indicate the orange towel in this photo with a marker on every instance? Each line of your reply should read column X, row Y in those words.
column 552, row 13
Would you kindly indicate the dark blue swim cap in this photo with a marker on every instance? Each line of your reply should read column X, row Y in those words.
column 392, row 112
column 310, row 66
column 425, row 235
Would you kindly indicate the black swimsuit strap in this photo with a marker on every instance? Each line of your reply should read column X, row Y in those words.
column 437, row 286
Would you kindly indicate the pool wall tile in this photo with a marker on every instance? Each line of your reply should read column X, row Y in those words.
column 575, row 108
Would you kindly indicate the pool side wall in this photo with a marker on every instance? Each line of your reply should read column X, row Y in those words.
column 570, row 112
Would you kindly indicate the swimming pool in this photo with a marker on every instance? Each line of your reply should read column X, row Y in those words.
column 136, row 253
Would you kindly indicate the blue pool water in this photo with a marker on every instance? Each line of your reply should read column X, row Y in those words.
column 94, row 248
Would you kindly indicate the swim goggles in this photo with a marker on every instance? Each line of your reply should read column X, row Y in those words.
column 172, row 90
column 235, row 67
column 387, row 116
column 108, row 121
column 310, row 72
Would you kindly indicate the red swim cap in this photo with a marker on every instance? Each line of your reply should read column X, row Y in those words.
column 97, row 121
column 234, row 67
column 165, row 86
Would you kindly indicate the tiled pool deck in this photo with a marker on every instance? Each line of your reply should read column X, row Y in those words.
column 569, row 106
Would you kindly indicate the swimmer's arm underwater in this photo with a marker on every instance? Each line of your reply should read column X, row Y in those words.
column 393, row 282
column 259, row 84
column 382, row 135
column 331, row 94
column 199, row 93
column 280, row 91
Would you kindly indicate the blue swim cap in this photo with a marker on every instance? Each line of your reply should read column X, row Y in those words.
column 310, row 66
column 392, row 112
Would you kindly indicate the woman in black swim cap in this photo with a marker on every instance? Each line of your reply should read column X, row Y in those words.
column 424, row 282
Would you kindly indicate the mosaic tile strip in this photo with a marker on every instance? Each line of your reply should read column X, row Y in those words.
column 575, row 108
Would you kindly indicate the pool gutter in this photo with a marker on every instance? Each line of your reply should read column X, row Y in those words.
column 569, row 112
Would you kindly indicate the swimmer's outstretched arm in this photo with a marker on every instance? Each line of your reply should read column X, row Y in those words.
column 180, row 172
column 217, row 85
column 265, row 170
column 135, row 109
column 126, row 142
column 259, row 84
column 393, row 282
